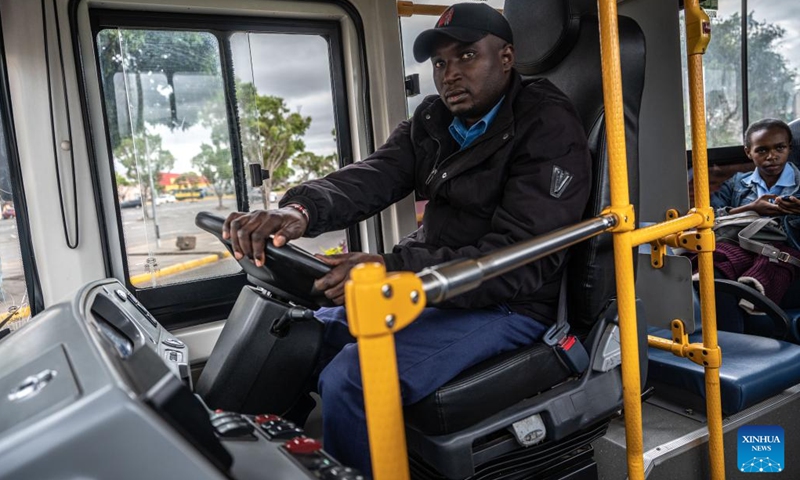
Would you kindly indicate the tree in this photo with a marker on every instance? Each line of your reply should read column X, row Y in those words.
column 122, row 181
column 311, row 165
column 770, row 79
column 143, row 160
column 214, row 163
column 282, row 175
column 271, row 134
column 188, row 180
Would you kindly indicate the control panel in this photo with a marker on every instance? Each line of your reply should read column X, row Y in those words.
column 172, row 350
column 95, row 387
column 289, row 439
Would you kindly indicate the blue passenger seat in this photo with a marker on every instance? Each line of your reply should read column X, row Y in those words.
column 753, row 369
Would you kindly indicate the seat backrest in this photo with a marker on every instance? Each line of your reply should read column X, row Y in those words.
column 561, row 43
column 794, row 154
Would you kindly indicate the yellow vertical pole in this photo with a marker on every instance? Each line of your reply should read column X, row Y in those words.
column 623, row 258
column 378, row 305
column 698, row 34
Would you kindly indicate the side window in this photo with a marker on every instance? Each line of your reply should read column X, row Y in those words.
column 771, row 63
column 15, row 298
column 287, row 117
column 773, row 60
column 750, row 62
column 189, row 110
column 722, row 74
column 165, row 107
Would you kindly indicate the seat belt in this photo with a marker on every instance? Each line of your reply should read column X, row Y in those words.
column 770, row 251
column 567, row 347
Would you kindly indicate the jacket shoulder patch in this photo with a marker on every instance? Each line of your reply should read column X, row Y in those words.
column 559, row 180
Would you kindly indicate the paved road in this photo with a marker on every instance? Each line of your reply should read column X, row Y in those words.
column 174, row 220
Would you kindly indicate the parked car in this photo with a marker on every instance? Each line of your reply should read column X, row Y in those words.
column 8, row 211
column 135, row 203
column 165, row 198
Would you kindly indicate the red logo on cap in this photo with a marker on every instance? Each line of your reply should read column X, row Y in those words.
column 446, row 18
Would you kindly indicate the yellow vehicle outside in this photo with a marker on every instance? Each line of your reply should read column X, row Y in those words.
column 190, row 194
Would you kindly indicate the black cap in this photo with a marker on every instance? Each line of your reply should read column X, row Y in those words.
column 465, row 22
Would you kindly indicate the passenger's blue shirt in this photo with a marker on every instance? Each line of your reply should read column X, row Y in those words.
column 465, row 136
column 742, row 188
column 785, row 180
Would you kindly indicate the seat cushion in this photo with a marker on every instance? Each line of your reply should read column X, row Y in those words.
column 487, row 388
column 753, row 369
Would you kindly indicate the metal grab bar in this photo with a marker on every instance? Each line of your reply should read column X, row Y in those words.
column 453, row 278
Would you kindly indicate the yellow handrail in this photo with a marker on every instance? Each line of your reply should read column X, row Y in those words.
column 623, row 260
column 698, row 35
column 408, row 9
column 377, row 306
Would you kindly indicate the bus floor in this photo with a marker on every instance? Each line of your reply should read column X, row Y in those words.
column 676, row 440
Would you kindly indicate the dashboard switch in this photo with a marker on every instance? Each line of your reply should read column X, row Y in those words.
column 302, row 446
column 234, row 428
column 261, row 419
column 173, row 342
column 342, row 473
column 173, row 356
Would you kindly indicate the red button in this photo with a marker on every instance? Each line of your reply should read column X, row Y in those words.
column 219, row 410
column 303, row 445
column 261, row 419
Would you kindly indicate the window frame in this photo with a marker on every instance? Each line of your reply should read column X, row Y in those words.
column 30, row 271
column 175, row 305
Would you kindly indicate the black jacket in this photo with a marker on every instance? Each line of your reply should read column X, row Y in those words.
column 498, row 191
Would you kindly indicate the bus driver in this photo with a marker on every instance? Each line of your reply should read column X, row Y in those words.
column 500, row 160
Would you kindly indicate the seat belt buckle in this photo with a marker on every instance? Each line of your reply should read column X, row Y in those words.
column 555, row 334
column 573, row 354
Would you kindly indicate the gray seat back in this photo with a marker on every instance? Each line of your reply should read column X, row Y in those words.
column 562, row 45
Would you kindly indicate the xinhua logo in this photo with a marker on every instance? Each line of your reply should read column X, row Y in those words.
column 761, row 449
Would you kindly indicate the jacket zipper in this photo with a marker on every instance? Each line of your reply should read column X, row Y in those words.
column 436, row 163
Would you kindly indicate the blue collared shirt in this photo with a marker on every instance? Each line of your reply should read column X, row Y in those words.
column 465, row 136
column 785, row 180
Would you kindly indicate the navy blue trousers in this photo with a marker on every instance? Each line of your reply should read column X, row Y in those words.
column 431, row 351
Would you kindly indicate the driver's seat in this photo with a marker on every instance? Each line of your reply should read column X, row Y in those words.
column 477, row 424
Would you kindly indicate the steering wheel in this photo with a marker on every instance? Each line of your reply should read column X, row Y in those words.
column 289, row 271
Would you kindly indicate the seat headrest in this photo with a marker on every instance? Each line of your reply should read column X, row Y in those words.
column 551, row 29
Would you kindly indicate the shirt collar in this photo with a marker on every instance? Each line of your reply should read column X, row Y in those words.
column 464, row 135
column 785, row 180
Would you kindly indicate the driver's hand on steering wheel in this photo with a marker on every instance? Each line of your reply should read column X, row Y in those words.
column 249, row 232
column 333, row 283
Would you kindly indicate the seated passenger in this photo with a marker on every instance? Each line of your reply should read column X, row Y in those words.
column 500, row 160
column 769, row 190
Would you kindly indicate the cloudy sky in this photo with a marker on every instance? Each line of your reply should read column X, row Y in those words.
column 296, row 68
column 293, row 67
